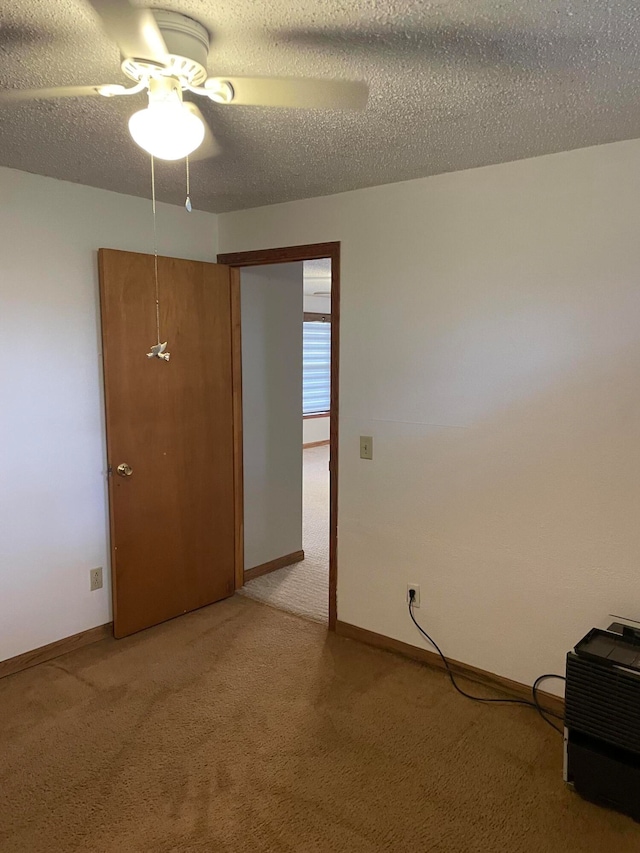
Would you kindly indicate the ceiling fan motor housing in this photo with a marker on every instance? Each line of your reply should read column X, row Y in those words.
column 188, row 45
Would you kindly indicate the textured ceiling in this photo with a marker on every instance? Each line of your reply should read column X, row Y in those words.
column 317, row 269
column 453, row 85
column 317, row 276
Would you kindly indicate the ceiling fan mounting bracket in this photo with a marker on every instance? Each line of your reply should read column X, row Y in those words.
column 187, row 43
column 186, row 70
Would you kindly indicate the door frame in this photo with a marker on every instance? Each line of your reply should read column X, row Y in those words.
column 283, row 255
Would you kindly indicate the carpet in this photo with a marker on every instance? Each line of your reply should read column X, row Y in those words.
column 242, row 728
column 303, row 588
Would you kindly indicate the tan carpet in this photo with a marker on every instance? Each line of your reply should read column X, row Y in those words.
column 243, row 728
column 303, row 588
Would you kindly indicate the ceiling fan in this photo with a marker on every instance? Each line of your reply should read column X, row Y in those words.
column 165, row 53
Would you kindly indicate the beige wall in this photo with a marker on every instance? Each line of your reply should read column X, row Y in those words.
column 53, row 508
column 490, row 342
column 315, row 429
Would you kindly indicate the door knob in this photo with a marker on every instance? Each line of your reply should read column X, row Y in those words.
column 124, row 470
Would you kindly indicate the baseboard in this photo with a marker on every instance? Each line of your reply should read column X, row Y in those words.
column 54, row 650
column 273, row 565
column 315, row 444
column 497, row 682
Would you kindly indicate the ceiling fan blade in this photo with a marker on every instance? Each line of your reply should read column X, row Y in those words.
column 294, row 92
column 14, row 96
column 133, row 29
column 456, row 43
column 209, row 146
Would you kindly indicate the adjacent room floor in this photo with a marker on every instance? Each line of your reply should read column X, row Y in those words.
column 243, row 728
column 303, row 588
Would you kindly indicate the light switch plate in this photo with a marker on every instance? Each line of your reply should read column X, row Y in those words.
column 366, row 447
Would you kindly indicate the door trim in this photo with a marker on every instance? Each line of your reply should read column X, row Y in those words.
column 236, row 380
column 309, row 252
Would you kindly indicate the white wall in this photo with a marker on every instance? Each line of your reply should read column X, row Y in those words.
column 53, row 508
column 315, row 429
column 271, row 303
column 490, row 342
column 318, row 304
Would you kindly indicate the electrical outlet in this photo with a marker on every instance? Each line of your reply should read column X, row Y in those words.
column 416, row 597
column 366, row 447
column 95, row 578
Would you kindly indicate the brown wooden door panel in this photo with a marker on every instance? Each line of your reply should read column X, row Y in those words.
column 172, row 520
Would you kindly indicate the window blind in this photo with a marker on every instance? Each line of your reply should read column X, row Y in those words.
column 316, row 368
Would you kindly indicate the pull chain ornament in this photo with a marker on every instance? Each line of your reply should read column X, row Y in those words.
column 187, row 204
column 159, row 350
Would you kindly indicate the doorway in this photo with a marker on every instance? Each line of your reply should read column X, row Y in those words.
column 326, row 257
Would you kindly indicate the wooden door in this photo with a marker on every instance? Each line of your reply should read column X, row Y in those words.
column 172, row 519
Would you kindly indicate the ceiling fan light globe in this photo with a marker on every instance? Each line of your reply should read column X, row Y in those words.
column 167, row 131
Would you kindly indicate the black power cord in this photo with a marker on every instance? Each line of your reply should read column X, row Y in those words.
column 535, row 704
column 542, row 711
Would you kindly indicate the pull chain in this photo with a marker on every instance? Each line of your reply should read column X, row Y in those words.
column 187, row 203
column 157, row 351
column 155, row 244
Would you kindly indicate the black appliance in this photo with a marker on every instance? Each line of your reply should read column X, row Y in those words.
column 602, row 718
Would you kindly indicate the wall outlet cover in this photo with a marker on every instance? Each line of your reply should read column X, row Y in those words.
column 95, row 579
column 416, row 599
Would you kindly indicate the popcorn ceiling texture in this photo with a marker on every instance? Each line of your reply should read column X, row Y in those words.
column 454, row 85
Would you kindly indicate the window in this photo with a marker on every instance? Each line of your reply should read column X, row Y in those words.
column 316, row 367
